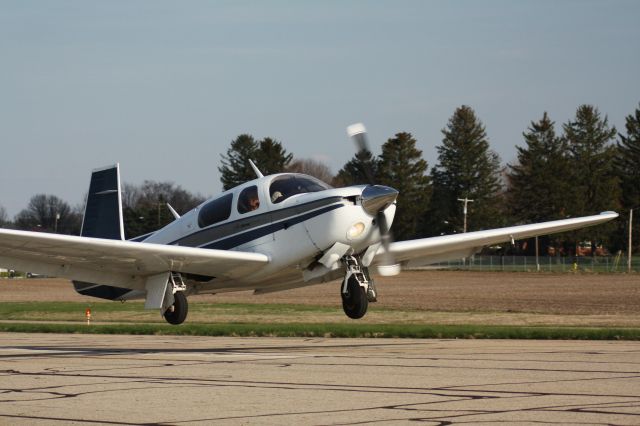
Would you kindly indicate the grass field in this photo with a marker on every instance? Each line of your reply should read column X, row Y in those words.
column 450, row 304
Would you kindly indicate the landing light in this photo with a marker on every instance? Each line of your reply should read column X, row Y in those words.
column 355, row 231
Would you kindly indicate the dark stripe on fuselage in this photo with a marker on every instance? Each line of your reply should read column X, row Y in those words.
column 141, row 238
column 254, row 234
column 266, row 225
column 251, row 223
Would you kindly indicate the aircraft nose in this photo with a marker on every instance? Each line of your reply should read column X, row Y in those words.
column 376, row 198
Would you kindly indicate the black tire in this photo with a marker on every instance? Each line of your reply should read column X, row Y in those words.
column 355, row 302
column 178, row 314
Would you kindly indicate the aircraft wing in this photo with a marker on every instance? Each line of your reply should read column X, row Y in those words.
column 427, row 251
column 115, row 262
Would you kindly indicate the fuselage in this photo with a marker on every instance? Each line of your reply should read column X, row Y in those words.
column 295, row 220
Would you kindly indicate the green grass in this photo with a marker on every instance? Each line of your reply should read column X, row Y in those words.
column 336, row 330
column 132, row 318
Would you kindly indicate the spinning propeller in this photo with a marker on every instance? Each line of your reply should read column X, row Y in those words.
column 375, row 199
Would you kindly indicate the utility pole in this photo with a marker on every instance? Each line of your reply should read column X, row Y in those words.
column 465, row 200
column 630, row 246
column 537, row 256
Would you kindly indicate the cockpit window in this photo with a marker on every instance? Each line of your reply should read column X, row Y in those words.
column 248, row 200
column 215, row 211
column 285, row 186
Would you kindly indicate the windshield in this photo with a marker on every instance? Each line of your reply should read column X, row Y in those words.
column 285, row 186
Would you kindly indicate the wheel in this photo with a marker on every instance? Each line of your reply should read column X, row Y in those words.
column 177, row 313
column 354, row 302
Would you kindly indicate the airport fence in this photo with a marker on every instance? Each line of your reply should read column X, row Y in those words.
column 545, row 264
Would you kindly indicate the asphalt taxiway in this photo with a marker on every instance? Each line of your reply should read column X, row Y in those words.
column 121, row 380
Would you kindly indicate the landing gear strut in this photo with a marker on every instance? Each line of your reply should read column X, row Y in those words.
column 357, row 289
column 177, row 313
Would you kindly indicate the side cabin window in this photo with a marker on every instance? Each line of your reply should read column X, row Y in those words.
column 286, row 186
column 248, row 200
column 215, row 211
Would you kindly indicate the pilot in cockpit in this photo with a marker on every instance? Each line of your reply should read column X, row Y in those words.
column 249, row 200
column 254, row 202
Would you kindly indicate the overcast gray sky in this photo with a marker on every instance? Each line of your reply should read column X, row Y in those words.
column 163, row 86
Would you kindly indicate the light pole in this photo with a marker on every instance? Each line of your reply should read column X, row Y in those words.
column 465, row 200
column 55, row 227
column 630, row 229
column 537, row 256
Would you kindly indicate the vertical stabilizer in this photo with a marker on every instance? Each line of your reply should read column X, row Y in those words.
column 103, row 212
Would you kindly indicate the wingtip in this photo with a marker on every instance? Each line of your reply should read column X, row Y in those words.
column 610, row 213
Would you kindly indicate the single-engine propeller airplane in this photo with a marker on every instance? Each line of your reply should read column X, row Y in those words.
column 273, row 233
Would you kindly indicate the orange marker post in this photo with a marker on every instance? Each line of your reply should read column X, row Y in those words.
column 87, row 314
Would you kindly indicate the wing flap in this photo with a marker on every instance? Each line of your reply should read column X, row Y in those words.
column 96, row 259
column 426, row 251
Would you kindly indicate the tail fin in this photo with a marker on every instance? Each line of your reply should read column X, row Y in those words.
column 103, row 212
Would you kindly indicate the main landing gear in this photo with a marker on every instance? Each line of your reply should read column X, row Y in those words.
column 357, row 288
column 177, row 313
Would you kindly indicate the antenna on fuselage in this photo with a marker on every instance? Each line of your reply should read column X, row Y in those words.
column 173, row 212
column 256, row 169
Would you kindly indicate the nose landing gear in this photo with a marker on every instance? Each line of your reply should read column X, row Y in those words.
column 357, row 288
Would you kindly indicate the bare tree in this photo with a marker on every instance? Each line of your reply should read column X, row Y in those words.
column 50, row 214
column 144, row 206
column 130, row 195
column 4, row 217
column 311, row 167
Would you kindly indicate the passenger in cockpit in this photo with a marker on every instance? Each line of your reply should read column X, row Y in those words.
column 253, row 202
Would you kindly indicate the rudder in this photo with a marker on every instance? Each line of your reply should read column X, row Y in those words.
column 103, row 219
column 103, row 211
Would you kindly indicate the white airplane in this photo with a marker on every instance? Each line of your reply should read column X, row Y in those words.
column 273, row 233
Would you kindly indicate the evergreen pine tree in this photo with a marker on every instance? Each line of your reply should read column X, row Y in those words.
column 628, row 162
column 235, row 168
column 271, row 157
column 592, row 173
column 539, row 188
column 466, row 168
column 592, row 159
column 354, row 171
column 628, row 170
column 401, row 167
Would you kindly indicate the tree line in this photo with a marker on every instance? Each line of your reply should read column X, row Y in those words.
column 144, row 210
column 583, row 167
